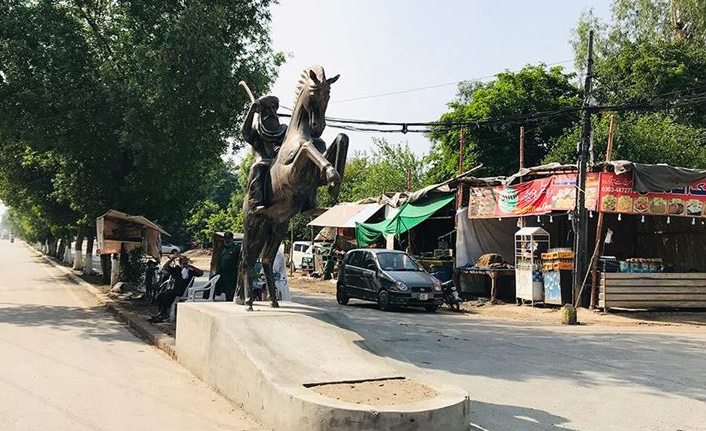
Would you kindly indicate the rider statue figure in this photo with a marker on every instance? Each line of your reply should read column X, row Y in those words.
column 266, row 136
column 283, row 182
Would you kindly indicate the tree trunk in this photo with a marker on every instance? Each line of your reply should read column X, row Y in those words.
column 106, row 268
column 88, row 261
column 51, row 246
column 61, row 249
column 67, row 252
column 78, row 260
column 114, row 269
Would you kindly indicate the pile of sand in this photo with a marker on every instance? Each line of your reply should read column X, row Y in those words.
column 378, row 393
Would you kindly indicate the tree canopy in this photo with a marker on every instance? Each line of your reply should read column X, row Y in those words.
column 532, row 90
column 127, row 105
column 652, row 56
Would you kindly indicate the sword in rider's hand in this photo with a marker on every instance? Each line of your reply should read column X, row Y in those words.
column 247, row 90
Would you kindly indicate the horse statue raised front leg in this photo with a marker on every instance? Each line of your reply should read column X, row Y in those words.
column 302, row 165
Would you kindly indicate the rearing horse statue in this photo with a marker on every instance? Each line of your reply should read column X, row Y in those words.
column 302, row 165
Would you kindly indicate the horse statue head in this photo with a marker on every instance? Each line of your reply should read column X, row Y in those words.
column 313, row 94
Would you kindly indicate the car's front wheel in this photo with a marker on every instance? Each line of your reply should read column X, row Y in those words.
column 342, row 295
column 384, row 300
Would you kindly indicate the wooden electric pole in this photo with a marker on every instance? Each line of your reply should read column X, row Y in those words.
column 599, row 224
column 459, row 188
column 522, row 165
column 580, row 213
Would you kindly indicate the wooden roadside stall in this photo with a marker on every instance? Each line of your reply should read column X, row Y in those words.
column 658, row 237
column 119, row 233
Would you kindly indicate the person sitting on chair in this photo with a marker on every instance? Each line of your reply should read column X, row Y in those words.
column 182, row 274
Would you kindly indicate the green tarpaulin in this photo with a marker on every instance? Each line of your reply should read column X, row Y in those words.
column 410, row 215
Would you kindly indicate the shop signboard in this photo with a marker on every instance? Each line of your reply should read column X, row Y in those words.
column 541, row 196
column 617, row 196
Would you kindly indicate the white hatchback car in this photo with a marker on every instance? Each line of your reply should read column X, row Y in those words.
column 168, row 248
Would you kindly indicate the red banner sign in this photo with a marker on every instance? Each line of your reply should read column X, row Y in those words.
column 542, row 196
column 617, row 196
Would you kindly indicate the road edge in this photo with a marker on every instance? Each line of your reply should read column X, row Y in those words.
column 142, row 327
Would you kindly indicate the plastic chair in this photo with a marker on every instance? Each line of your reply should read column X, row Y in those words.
column 196, row 291
column 191, row 292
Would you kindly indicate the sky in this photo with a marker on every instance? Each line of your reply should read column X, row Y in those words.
column 396, row 45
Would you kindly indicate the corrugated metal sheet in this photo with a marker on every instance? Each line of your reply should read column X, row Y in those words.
column 346, row 215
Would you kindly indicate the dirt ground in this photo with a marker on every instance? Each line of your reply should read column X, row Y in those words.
column 381, row 393
column 299, row 281
column 541, row 314
column 200, row 258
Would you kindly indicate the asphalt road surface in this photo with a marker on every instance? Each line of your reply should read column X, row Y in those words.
column 524, row 377
column 65, row 364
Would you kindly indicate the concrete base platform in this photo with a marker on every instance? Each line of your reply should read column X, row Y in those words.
column 268, row 360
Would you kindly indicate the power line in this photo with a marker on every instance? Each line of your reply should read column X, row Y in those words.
column 426, row 127
column 430, row 87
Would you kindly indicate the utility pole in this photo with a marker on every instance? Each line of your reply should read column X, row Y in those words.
column 522, row 147
column 522, row 164
column 599, row 225
column 459, row 189
column 580, row 219
column 409, row 192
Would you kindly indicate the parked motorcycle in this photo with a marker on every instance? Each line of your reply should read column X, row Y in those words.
column 448, row 287
column 451, row 296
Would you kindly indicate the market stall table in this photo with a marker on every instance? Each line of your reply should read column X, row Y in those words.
column 493, row 273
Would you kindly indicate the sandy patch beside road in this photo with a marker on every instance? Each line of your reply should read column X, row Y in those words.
column 380, row 393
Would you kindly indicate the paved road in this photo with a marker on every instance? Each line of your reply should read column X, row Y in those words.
column 67, row 365
column 545, row 378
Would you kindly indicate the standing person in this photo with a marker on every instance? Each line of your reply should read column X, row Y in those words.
column 228, row 263
column 279, row 269
column 183, row 274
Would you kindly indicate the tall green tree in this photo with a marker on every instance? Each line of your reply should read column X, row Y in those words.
column 382, row 170
column 137, row 100
column 651, row 55
column 532, row 90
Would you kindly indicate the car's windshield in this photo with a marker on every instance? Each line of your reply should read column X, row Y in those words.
column 397, row 262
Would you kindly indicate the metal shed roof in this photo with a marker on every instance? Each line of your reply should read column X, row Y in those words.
column 346, row 215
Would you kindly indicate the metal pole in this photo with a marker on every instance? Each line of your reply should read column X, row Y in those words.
column 291, row 247
column 599, row 224
column 409, row 190
column 579, row 221
column 522, row 163
column 459, row 189
column 522, row 147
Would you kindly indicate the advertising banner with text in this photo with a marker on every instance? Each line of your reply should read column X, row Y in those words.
column 541, row 196
column 617, row 196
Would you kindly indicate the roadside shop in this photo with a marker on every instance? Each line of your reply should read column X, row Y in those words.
column 644, row 258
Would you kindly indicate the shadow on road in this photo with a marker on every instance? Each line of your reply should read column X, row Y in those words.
column 90, row 322
column 513, row 418
column 659, row 362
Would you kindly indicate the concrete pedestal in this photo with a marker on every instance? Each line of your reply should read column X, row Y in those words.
column 268, row 359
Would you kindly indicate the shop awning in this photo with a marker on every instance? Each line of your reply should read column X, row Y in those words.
column 119, row 215
column 346, row 215
column 409, row 216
